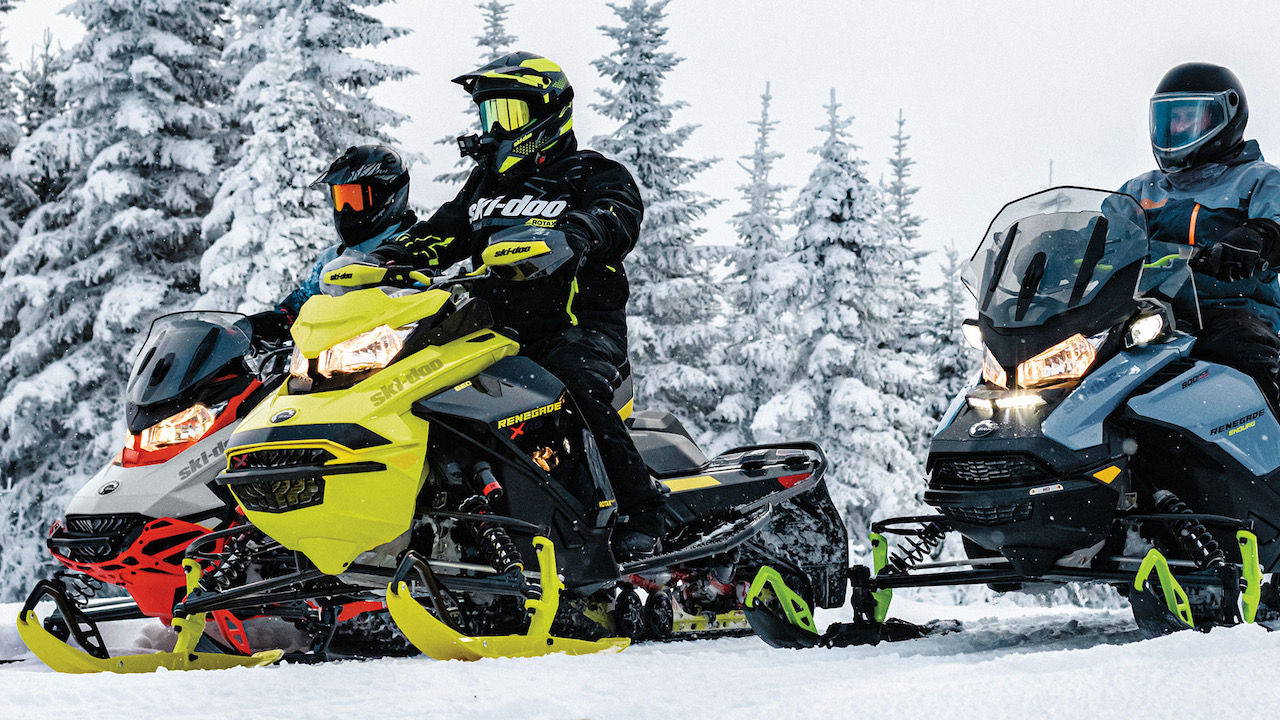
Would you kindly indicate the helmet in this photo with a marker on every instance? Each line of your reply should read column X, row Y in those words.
column 1198, row 114
column 369, row 186
column 526, row 108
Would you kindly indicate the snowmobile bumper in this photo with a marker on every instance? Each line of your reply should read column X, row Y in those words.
column 439, row 640
column 63, row 657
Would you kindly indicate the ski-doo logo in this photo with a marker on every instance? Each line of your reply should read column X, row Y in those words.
column 202, row 461
column 1188, row 383
column 531, row 414
column 1238, row 425
column 393, row 388
column 108, row 488
column 513, row 250
column 340, row 276
column 516, row 207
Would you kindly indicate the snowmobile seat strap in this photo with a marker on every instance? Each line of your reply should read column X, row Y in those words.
column 1251, row 569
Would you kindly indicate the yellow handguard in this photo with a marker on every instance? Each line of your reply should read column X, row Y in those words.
column 62, row 657
column 439, row 641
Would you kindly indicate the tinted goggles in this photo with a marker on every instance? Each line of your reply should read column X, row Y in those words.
column 353, row 196
column 509, row 113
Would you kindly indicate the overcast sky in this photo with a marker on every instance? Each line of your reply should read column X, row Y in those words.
column 992, row 91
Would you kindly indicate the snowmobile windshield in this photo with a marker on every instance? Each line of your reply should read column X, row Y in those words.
column 184, row 349
column 1167, row 276
column 1057, row 251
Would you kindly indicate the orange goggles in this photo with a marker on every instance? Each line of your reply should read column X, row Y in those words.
column 353, row 196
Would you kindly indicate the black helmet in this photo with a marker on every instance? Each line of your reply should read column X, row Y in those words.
column 369, row 186
column 526, row 108
column 1198, row 114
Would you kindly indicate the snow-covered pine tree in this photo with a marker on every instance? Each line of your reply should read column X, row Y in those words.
column 898, row 191
column 15, row 197
column 757, row 292
column 851, row 387
column 494, row 42
column 673, row 300
column 37, row 95
column 117, row 244
column 954, row 363
column 301, row 101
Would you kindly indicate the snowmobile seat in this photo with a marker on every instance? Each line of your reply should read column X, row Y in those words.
column 665, row 445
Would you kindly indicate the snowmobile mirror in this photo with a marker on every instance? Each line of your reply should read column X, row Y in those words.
column 972, row 333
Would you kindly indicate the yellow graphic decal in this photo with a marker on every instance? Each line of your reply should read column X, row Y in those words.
column 1107, row 475
column 463, row 386
column 531, row 414
column 690, row 483
column 608, row 503
column 1241, row 428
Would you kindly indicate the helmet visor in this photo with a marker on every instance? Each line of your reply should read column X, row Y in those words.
column 1182, row 121
column 353, row 196
column 509, row 113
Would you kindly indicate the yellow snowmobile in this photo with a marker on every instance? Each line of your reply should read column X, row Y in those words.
column 414, row 457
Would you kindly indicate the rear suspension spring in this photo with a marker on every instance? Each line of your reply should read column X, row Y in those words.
column 916, row 547
column 1192, row 535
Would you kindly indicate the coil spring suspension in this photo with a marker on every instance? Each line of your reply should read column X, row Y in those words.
column 916, row 547
column 1192, row 535
column 494, row 540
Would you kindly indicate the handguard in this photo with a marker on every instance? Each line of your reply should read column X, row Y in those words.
column 526, row 252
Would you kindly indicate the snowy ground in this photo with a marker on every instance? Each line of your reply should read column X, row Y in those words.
column 1009, row 662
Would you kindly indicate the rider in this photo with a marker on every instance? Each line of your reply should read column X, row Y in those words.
column 369, row 188
column 532, row 176
column 1213, row 190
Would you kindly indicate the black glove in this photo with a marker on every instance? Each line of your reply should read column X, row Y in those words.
column 580, row 240
column 391, row 255
column 271, row 326
column 1242, row 252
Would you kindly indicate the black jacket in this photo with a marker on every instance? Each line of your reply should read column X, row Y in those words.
column 589, row 197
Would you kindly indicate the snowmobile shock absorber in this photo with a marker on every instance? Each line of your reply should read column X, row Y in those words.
column 494, row 540
column 1192, row 535
column 916, row 546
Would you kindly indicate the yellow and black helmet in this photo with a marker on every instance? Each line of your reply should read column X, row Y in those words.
column 526, row 109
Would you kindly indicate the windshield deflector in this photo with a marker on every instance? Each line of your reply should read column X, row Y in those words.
column 184, row 349
column 1057, row 251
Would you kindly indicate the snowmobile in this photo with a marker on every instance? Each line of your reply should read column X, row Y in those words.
column 1094, row 448
column 197, row 375
column 414, row 457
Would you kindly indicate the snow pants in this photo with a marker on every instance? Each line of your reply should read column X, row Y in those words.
column 588, row 362
column 1239, row 339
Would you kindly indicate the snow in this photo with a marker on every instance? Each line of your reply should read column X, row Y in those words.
column 1008, row 662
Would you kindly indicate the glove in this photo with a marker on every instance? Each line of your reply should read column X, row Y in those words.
column 390, row 255
column 271, row 326
column 577, row 233
column 1242, row 252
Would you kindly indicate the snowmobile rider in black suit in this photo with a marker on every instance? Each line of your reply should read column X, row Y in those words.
column 532, row 177
column 1214, row 191
column 369, row 188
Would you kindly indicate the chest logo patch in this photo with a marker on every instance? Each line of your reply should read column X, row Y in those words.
column 525, row 206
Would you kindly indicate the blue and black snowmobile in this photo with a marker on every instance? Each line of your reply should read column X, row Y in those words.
column 1093, row 449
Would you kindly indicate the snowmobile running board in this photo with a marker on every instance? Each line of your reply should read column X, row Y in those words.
column 63, row 657
column 436, row 638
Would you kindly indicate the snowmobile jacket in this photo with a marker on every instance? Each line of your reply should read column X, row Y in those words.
column 310, row 286
column 1200, row 205
column 590, row 198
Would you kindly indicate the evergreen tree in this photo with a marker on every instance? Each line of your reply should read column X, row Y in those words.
column 898, row 191
column 494, row 42
column 757, row 291
column 851, row 383
column 954, row 363
column 672, row 301
column 302, row 99
column 14, row 195
column 116, row 244
column 37, row 95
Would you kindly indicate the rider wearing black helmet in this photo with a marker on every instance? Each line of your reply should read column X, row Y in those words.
column 531, row 177
column 369, row 188
column 1213, row 190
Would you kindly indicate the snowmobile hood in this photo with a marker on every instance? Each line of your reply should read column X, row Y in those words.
column 325, row 321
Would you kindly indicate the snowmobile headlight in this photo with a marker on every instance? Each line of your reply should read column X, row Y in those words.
column 1019, row 401
column 298, row 364
column 1068, row 360
column 372, row 350
column 185, row 427
column 1144, row 329
column 991, row 370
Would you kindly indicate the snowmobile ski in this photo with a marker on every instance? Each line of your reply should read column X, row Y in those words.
column 61, row 656
column 439, row 640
